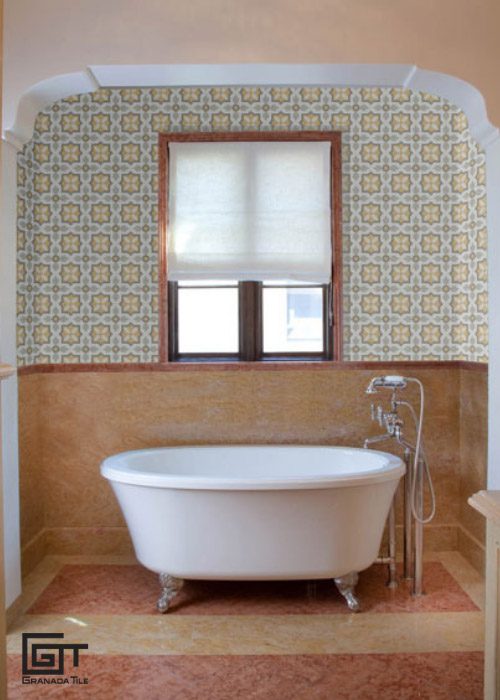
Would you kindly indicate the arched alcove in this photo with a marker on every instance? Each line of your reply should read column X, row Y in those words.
column 96, row 78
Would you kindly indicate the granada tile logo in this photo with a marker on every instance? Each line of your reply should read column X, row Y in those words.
column 39, row 662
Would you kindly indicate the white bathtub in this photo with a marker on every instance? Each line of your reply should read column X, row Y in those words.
column 255, row 512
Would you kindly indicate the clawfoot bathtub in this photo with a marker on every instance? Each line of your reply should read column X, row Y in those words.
column 255, row 512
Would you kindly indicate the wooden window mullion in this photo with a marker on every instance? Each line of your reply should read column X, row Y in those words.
column 250, row 321
column 173, row 321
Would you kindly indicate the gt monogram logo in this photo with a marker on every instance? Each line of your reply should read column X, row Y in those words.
column 51, row 663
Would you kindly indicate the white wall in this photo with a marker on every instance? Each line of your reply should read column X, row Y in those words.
column 10, row 459
column 493, row 218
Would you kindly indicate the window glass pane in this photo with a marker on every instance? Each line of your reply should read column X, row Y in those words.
column 208, row 320
column 293, row 319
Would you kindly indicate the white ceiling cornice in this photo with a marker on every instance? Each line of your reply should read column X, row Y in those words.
column 461, row 93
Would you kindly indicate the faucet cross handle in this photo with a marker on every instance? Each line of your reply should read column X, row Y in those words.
column 377, row 413
column 382, row 417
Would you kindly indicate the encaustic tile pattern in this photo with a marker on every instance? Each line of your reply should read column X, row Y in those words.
column 270, row 640
column 414, row 218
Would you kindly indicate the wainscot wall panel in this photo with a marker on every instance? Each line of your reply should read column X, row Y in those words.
column 473, row 460
column 89, row 416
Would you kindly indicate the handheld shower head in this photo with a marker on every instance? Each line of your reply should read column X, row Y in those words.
column 386, row 382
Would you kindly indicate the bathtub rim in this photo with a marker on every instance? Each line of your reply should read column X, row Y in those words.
column 394, row 469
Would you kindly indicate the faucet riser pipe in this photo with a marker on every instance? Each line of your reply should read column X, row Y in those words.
column 419, row 531
column 407, row 559
column 382, row 560
column 393, row 574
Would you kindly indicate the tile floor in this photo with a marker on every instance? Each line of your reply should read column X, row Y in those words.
column 262, row 640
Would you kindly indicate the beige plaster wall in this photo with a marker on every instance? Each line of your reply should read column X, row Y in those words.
column 44, row 39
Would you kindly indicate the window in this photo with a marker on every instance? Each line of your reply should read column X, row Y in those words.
column 248, row 321
column 249, row 246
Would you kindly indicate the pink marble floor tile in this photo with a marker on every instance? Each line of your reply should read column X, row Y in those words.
column 114, row 589
column 440, row 676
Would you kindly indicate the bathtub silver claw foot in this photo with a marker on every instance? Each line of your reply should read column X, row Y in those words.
column 170, row 588
column 346, row 585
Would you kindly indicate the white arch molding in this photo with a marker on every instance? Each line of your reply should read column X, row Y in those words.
column 463, row 94
column 91, row 78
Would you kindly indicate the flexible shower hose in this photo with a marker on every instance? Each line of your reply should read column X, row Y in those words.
column 420, row 454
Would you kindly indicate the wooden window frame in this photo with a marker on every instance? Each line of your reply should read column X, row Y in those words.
column 332, row 309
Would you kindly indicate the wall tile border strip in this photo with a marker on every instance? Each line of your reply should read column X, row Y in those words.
column 67, row 368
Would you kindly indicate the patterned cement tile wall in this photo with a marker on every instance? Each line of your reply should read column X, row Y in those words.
column 414, row 218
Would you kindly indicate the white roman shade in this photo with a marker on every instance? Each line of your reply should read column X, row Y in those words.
column 249, row 211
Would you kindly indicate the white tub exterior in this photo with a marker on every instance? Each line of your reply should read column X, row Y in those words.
column 255, row 512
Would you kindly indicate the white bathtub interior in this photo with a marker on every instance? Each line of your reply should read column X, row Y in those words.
column 252, row 466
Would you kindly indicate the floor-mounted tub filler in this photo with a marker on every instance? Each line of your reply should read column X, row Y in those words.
column 417, row 475
column 255, row 512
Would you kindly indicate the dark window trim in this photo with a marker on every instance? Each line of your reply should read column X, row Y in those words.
column 167, row 309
